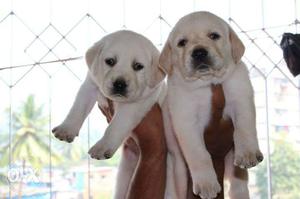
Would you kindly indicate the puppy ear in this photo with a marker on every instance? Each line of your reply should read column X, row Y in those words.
column 92, row 53
column 156, row 73
column 237, row 47
column 165, row 59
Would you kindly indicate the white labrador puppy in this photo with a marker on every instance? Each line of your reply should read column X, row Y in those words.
column 123, row 67
column 202, row 50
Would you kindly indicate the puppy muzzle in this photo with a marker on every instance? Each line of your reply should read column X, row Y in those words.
column 200, row 59
column 119, row 88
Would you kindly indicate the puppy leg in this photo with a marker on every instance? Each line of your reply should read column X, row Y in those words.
column 246, row 149
column 237, row 177
column 126, row 168
column 126, row 118
column 177, row 179
column 189, row 128
column 247, row 153
column 84, row 102
column 242, row 111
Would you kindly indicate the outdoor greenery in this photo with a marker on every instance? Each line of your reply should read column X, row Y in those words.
column 285, row 167
column 3, row 179
column 29, row 145
column 29, row 142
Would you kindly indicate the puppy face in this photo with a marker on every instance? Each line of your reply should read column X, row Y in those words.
column 123, row 64
column 201, row 45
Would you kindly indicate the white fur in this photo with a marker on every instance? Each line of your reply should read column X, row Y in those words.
column 144, row 89
column 127, row 117
column 189, row 104
column 238, row 187
column 83, row 104
column 176, row 184
column 127, row 167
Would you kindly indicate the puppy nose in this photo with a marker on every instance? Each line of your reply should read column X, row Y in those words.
column 119, row 85
column 199, row 54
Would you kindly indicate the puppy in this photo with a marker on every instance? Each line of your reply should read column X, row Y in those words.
column 202, row 50
column 122, row 69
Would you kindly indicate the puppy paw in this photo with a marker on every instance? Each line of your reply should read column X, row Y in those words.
column 101, row 151
column 206, row 185
column 247, row 158
column 65, row 132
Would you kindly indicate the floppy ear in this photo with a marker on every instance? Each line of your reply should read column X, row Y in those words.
column 156, row 73
column 92, row 53
column 165, row 59
column 237, row 47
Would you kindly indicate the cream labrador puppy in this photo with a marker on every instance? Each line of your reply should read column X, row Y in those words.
column 122, row 67
column 202, row 50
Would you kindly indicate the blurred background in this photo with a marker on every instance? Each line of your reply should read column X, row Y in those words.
column 41, row 68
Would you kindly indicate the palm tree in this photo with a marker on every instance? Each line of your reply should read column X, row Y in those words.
column 29, row 142
column 72, row 153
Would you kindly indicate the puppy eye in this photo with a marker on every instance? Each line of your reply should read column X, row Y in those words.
column 182, row 42
column 214, row 36
column 137, row 66
column 110, row 61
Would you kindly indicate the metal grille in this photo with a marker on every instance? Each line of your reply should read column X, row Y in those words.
column 42, row 44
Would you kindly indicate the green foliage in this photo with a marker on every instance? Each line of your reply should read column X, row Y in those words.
column 72, row 154
column 285, row 167
column 30, row 138
column 3, row 179
column 30, row 141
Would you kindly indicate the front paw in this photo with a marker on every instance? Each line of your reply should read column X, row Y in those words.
column 247, row 158
column 102, row 150
column 65, row 132
column 206, row 185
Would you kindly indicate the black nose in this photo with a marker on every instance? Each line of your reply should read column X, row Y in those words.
column 119, row 86
column 199, row 54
